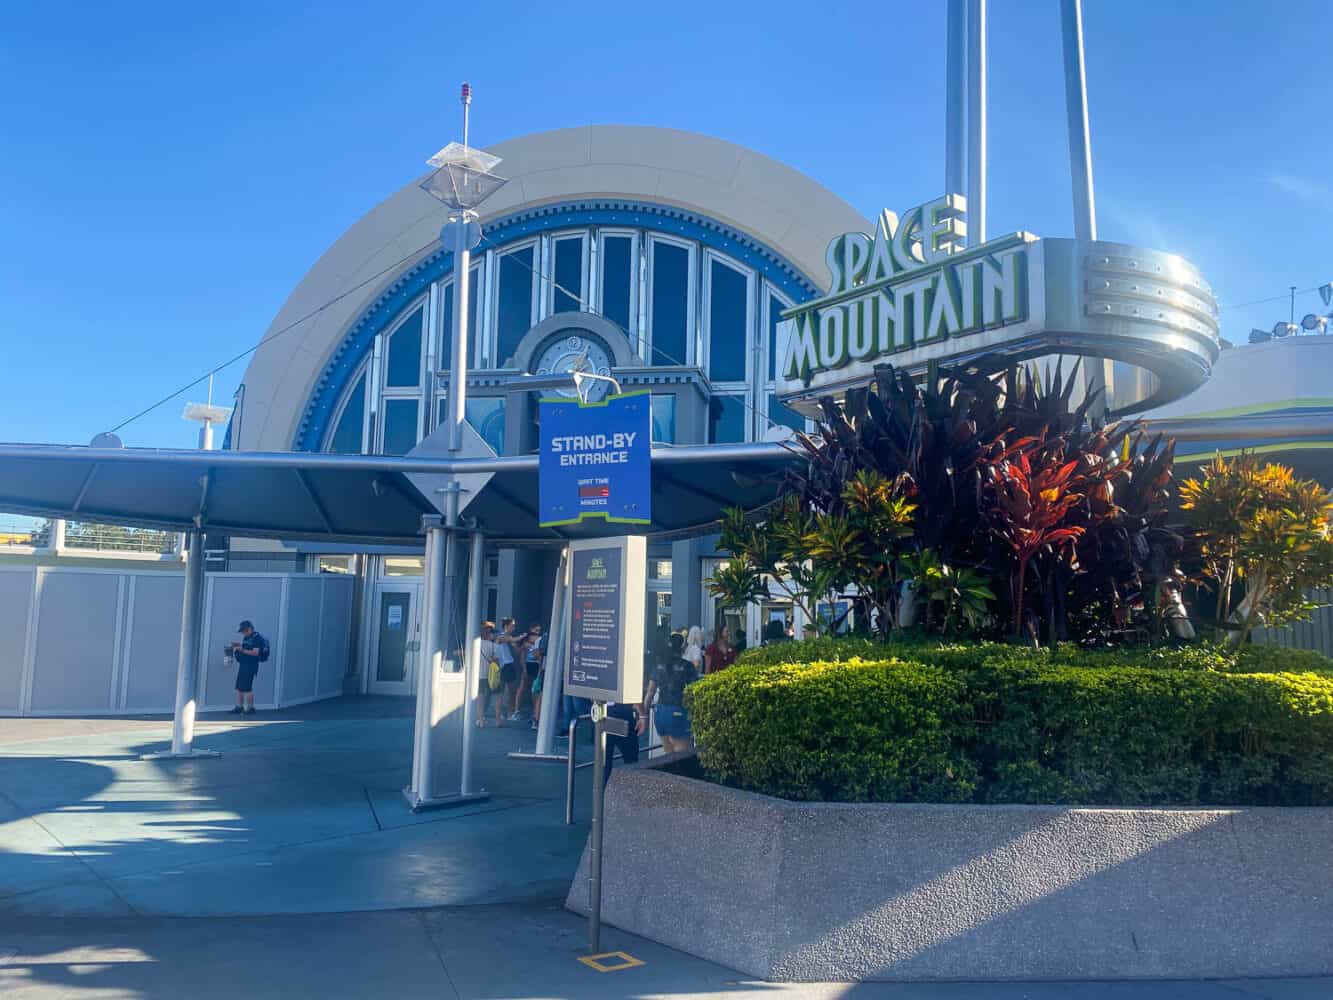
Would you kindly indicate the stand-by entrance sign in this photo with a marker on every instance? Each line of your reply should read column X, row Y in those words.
column 595, row 460
column 607, row 584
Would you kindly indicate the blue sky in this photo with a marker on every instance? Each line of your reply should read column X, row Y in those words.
column 170, row 171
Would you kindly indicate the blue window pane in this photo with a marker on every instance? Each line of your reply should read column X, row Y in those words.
column 568, row 275
column 780, row 414
column 775, row 308
column 726, row 324
column 664, row 419
column 404, row 365
column 516, row 270
column 400, row 426
column 617, row 278
column 726, row 419
column 671, row 294
column 486, row 414
column 447, row 334
column 346, row 438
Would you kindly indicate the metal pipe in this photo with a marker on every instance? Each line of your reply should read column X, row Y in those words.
column 955, row 102
column 458, row 348
column 595, row 839
column 571, row 767
column 1255, row 428
column 684, row 455
column 976, row 122
column 187, row 662
column 1076, row 110
column 472, row 661
column 422, row 758
column 554, row 662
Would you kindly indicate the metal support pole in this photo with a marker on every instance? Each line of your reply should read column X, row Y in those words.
column 595, row 833
column 976, row 122
column 1076, row 109
column 187, row 662
column 1097, row 374
column 421, row 790
column 553, row 684
column 458, row 347
column 472, row 661
column 955, row 121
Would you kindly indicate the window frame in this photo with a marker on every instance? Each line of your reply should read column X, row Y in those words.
column 422, row 304
column 568, row 236
column 691, row 299
column 362, row 371
column 492, row 352
column 633, row 333
column 710, row 258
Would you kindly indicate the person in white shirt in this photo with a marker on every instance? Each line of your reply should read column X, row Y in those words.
column 694, row 648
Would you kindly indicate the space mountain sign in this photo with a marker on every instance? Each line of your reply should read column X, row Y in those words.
column 913, row 293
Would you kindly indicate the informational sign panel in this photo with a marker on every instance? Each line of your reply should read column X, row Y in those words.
column 607, row 582
column 595, row 460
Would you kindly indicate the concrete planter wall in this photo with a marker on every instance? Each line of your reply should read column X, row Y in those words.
column 823, row 891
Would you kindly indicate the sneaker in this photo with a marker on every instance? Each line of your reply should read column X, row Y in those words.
column 250, row 711
column 533, row 725
column 236, row 711
column 514, row 717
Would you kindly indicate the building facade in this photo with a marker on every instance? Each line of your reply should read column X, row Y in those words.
column 661, row 257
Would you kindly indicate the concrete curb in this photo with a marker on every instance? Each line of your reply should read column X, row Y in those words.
column 809, row 892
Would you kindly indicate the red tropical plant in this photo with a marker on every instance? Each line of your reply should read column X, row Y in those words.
column 1033, row 489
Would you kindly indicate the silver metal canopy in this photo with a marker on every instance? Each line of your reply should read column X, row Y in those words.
column 368, row 499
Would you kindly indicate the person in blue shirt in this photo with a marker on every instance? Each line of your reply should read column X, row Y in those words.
column 250, row 652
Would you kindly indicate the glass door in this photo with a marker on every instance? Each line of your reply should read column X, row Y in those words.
column 396, row 638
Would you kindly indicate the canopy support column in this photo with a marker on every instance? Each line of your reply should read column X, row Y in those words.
column 554, row 665
column 472, row 657
column 187, row 662
column 441, row 750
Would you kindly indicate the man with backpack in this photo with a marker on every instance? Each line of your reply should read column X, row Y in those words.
column 250, row 652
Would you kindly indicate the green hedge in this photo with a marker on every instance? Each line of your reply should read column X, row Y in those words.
column 994, row 723
column 1251, row 659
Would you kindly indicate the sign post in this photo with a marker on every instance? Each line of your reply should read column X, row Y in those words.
column 604, row 661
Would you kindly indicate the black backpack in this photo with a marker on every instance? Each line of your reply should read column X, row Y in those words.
column 263, row 648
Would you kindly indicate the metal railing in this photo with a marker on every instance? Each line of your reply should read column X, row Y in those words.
column 93, row 537
column 19, row 531
column 571, row 766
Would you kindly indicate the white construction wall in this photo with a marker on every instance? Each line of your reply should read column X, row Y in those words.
column 87, row 641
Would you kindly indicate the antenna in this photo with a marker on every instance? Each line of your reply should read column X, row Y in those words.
column 465, row 96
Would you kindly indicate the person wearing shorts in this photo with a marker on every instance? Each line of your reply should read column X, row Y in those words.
column 533, row 651
column 668, row 682
column 486, row 695
column 249, row 652
column 506, row 644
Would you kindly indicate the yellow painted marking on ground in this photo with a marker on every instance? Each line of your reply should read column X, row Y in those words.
column 623, row 961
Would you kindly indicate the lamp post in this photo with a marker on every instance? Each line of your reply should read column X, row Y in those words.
column 462, row 180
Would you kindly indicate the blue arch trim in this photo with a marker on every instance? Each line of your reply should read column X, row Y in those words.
column 666, row 219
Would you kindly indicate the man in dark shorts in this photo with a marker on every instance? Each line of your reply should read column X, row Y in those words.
column 250, row 652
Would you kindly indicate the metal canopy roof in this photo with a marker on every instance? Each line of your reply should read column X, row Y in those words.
column 369, row 499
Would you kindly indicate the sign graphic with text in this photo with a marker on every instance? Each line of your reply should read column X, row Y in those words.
column 607, row 582
column 595, row 460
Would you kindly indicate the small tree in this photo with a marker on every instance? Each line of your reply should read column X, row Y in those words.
column 1265, row 541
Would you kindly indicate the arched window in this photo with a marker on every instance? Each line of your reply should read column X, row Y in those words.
column 680, row 302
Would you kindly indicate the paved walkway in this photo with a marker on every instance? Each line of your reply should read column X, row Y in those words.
column 301, row 819
column 303, row 813
column 516, row 950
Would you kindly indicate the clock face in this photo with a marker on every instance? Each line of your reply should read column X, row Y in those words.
column 572, row 352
